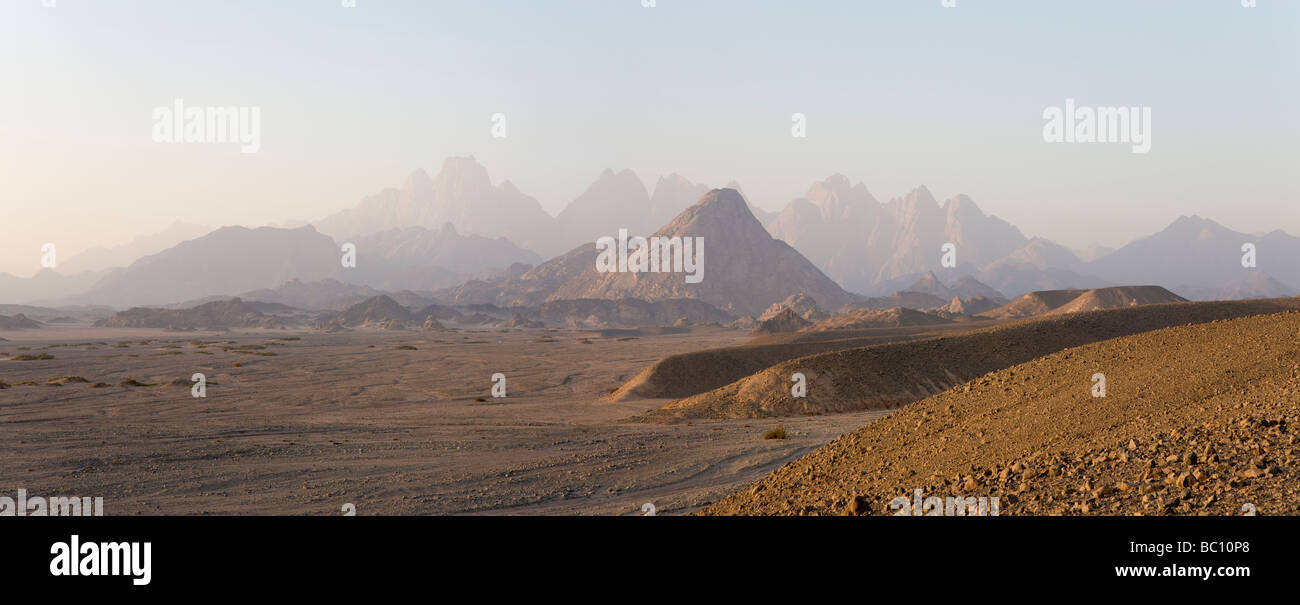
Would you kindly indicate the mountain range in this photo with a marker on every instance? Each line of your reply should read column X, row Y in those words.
column 475, row 242
column 746, row 268
column 461, row 194
column 102, row 258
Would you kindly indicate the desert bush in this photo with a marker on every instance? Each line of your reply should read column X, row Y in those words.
column 775, row 433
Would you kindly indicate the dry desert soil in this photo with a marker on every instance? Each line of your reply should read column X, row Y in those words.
column 1200, row 403
column 389, row 421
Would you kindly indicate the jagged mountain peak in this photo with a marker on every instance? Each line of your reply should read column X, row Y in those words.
column 418, row 179
column 717, row 209
column 837, row 196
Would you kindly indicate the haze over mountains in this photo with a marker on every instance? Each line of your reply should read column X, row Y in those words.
column 462, row 195
column 233, row 260
column 101, row 258
column 862, row 243
column 475, row 242
column 745, row 270
column 1200, row 255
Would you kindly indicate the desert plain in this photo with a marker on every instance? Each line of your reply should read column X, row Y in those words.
column 301, row 422
column 1195, row 418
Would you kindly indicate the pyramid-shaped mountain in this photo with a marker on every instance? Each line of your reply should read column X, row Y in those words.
column 743, row 269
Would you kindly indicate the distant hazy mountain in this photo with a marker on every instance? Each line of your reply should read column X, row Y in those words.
column 763, row 216
column 834, row 226
column 1094, row 252
column 863, row 244
column 1016, row 279
column 1255, row 285
column 228, row 260
column 1042, row 254
column 672, row 194
column 479, row 243
column 18, row 322
column 615, row 201
column 99, row 258
column 980, row 239
column 745, row 270
column 240, row 261
column 1198, row 252
column 84, row 313
column 876, row 248
column 326, row 294
column 233, row 313
column 461, row 194
column 901, row 299
column 416, row 258
column 1036, row 265
column 47, row 286
column 964, row 287
column 620, row 201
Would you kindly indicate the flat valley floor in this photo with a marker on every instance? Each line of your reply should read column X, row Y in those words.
column 391, row 422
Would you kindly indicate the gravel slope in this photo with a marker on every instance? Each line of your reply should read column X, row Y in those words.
column 1197, row 419
column 890, row 375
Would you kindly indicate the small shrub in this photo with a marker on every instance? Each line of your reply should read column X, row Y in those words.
column 29, row 357
column 775, row 433
column 65, row 380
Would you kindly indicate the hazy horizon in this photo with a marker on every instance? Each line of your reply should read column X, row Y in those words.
column 896, row 95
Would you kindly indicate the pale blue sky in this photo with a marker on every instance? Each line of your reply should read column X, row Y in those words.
column 897, row 93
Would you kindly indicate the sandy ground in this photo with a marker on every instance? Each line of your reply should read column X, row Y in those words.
column 310, row 422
